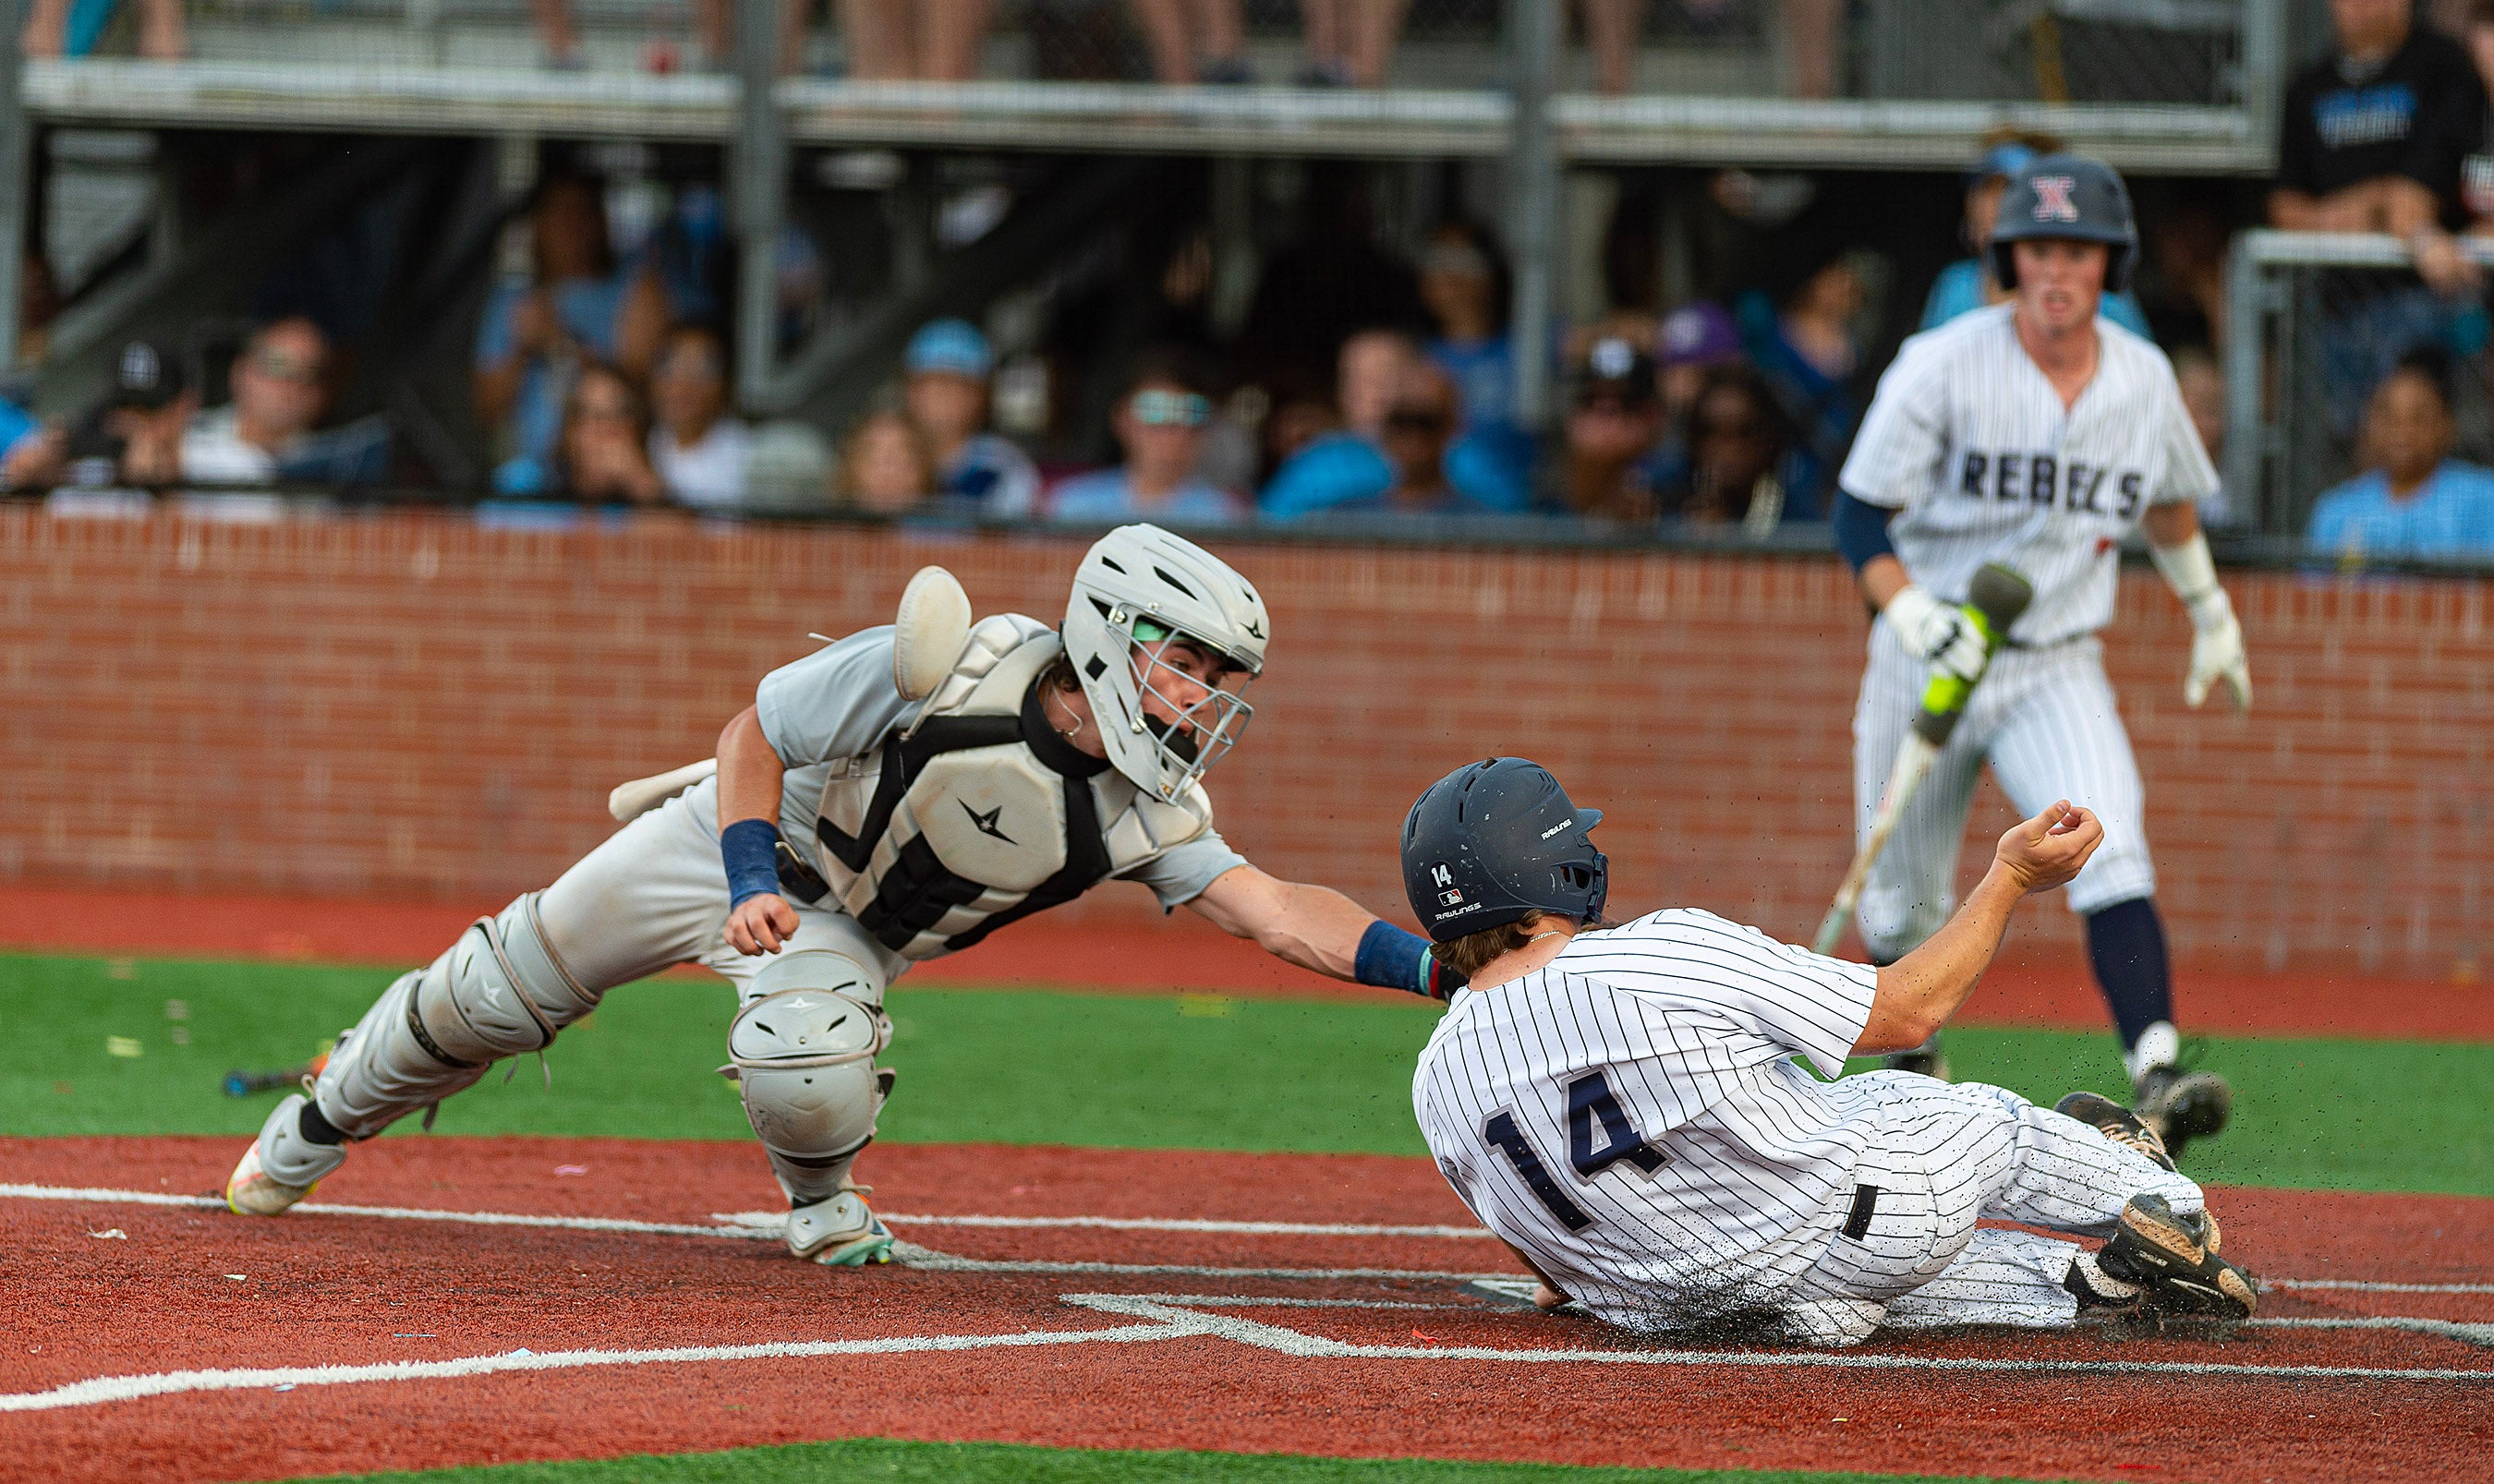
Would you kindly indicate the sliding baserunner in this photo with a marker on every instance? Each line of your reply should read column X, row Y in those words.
column 1622, row 1104
column 889, row 799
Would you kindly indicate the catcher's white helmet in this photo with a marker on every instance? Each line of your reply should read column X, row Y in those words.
column 1140, row 592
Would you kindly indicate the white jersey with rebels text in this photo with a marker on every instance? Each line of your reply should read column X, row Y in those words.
column 1970, row 443
column 1631, row 1118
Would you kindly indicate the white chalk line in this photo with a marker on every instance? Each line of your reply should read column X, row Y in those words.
column 737, row 1227
column 1162, row 1316
column 125, row 1388
column 1291, row 1342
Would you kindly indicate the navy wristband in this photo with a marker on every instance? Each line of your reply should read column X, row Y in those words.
column 1392, row 958
column 750, row 849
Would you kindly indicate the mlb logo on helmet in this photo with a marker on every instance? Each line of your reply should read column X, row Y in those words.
column 2053, row 198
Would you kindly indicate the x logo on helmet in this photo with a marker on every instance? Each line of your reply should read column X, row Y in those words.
column 2052, row 201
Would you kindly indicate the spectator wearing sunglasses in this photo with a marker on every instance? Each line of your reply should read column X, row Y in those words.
column 279, row 385
column 1741, row 456
column 1160, row 423
column 1404, row 448
column 702, row 455
column 1614, row 422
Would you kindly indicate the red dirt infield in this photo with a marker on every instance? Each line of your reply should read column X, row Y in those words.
column 1114, row 952
column 1078, row 1309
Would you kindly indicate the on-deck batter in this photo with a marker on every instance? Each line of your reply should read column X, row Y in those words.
column 1621, row 1104
column 2036, row 435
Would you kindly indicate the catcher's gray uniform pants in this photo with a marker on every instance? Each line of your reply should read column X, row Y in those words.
column 1943, row 1156
column 2045, row 721
column 653, row 895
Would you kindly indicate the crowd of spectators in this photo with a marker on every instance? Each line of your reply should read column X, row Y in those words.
column 602, row 378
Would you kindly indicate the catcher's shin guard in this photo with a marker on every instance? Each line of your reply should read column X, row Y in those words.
column 499, row 992
column 282, row 1166
column 802, row 1052
column 2174, row 1259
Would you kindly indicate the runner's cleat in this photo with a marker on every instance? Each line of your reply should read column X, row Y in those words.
column 839, row 1233
column 2115, row 1123
column 2182, row 1106
column 2174, row 1259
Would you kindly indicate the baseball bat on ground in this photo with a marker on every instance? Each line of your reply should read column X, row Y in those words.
column 1997, row 595
column 239, row 1083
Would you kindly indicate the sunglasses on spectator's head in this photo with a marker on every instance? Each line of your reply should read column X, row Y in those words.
column 1172, row 409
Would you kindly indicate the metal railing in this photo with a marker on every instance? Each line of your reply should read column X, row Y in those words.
column 2169, row 84
column 2315, row 321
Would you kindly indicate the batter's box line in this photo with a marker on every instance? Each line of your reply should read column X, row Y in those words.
column 1159, row 1320
column 736, row 1226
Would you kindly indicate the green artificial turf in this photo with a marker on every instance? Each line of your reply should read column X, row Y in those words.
column 1130, row 1071
column 980, row 1463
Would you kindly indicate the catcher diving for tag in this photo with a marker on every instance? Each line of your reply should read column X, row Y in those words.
column 2014, row 449
column 894, row 796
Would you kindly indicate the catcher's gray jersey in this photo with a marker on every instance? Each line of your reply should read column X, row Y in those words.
column 1968, row 441
column 1632, row 1118
column 836, row 707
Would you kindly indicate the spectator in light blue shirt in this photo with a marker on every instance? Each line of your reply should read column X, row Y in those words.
column 1401, row 451
column 2416, row 500
column 1966, row 284
column 1160, row 424
column 947, row 366
column 575, row 308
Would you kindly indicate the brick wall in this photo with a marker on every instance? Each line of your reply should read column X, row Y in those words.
column 407, row 705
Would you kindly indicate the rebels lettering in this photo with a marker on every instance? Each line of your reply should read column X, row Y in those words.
column 2042, row 479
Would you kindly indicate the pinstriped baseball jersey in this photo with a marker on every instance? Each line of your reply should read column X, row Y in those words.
column 1632, row 1117
column 1631, row 1114
column 1968, row 441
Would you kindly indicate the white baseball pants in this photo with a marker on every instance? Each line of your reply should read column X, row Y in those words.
column 2045, row 721
column 1941, row 1158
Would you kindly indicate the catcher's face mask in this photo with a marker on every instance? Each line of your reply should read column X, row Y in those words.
column 1192, row 693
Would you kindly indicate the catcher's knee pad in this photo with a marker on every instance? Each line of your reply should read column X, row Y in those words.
column 499, row 992
column 802, row 1053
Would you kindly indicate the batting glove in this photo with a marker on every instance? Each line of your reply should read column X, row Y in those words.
column 2216, row 636
column 2217, row 653
column 1945, row 634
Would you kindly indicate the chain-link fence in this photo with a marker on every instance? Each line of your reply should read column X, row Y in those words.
column 2318, row 321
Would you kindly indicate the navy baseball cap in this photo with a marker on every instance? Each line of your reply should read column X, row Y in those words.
column 955, row 345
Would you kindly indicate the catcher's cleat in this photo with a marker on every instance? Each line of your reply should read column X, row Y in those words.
column 2116, row 1122
column 2174, row 1259
column 839, row 1233
column 2181, row 1106
column 251, row 1191
column 1924, row 1060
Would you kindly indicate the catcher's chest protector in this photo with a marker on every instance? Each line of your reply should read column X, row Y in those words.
column 980, row 813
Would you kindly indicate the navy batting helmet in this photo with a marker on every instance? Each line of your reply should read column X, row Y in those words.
column 2069, row 197
column 1493, row 840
